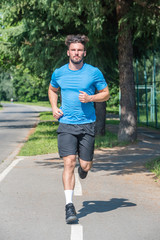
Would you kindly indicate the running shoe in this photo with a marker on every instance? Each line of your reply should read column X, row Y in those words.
column 70, row 213
column 82, row 173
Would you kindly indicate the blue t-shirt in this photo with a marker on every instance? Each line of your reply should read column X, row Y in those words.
column 86, row 79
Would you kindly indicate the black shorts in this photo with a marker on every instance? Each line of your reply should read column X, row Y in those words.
column 76, row 139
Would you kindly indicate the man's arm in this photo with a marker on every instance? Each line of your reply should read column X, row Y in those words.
column 53, row 98
column 102, row 96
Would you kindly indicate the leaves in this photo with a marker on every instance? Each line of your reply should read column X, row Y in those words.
column 33, row 33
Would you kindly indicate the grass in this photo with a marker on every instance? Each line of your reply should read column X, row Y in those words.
column 113, row 109
column 42, row 141
column 154, row 166
column 114, row 122
column 44, row 138
column 39, row 103
column 109, row 140
column 46, row 116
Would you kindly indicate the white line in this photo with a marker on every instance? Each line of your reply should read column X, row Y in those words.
column 77, row 232
column 78, row 186
column 9, row 168
column 148, row 135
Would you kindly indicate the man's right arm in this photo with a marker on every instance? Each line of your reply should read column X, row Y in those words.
column 53, row 98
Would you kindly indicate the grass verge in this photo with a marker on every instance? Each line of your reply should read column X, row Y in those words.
column 113, row 109
column 39, row 103
column 108, row 140
column 154, row 166
column 42, row 141
column 44, row 138
column 114, row 122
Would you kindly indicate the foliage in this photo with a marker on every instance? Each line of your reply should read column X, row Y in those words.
column 6, row 86
column 38, row 28
column 114, row 96
column 32, row 37
column 145, row 20
column 27, row 86
column 33, row 32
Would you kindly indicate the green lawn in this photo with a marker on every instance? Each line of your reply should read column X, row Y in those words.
column 44, row 138
column 46, row 116
column 42, row 141
column 39, row 103
column 114, row 110
column 154, row 166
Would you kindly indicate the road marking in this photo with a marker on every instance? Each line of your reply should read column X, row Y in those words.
column 9, row 168
column 77, row 232
column 148, row 135
column 78, row 186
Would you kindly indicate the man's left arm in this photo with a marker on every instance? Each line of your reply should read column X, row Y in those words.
column 102, row 96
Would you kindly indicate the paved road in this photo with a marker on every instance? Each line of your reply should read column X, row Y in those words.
column 15, row 123
column 119, row 200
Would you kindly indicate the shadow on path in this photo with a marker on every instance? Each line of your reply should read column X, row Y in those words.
column 90, row 207
column 116, row 161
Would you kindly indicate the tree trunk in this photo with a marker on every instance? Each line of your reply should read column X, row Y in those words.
column 101, row 117
column 128, row 122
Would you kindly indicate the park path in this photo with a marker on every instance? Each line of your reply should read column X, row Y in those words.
column 119, row 200
column 16, row 121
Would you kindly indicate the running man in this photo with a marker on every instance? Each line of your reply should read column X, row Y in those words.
column 76, row 132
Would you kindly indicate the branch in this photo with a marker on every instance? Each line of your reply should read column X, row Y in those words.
column 152, row 7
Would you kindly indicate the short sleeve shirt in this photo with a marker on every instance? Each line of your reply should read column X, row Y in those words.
column 86, row 79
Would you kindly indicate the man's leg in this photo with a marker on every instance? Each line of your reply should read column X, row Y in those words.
column 69, row 183
column 85, row 165
column 86, row 151
column 68, row 172
column 84, row 168
column 67, row 145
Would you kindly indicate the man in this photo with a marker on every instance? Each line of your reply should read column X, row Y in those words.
column 78, row 82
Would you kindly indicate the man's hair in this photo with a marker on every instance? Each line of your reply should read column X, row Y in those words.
column 76, row 39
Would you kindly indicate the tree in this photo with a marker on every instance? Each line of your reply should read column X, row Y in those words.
column 6, row 86
column 128, row 123
column 146, row 15
column 28, row 88
column 36, row 30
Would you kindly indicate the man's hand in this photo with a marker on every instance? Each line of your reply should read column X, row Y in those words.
column 57, row 113
column 84, row 97
column 101, row 96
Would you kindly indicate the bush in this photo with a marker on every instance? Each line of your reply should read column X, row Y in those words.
column 114, row 96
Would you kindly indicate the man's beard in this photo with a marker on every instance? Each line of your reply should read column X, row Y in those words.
column 77, row 62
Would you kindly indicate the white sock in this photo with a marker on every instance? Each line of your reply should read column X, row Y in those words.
column 68, row 196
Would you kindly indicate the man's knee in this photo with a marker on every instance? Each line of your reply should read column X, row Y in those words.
column 86, row 166
column 69, row 161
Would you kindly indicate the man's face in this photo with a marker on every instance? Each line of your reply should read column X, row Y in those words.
column 76, row 52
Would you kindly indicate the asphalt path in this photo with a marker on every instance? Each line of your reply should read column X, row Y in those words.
column 119, row 199
column 16, row 121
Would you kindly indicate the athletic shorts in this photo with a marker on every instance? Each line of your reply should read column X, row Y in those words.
column 76, row 139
